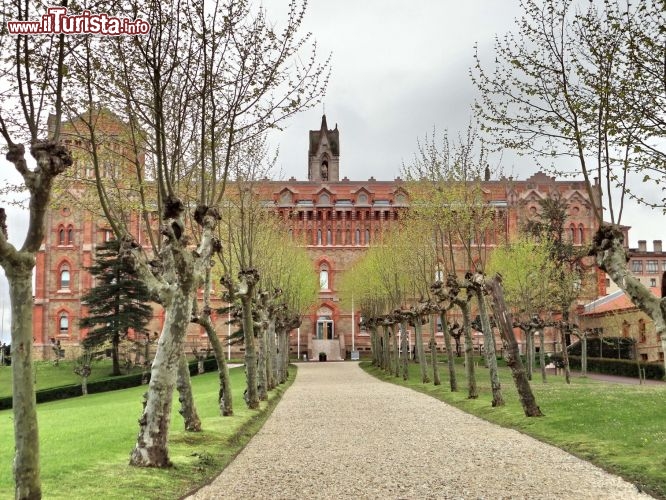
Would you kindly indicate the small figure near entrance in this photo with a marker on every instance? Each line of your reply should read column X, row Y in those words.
column 324, row 172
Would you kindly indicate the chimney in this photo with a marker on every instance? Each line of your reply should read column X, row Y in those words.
column 642, row 245
column 657, row 246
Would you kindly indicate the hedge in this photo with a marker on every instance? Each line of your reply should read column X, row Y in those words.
column 104, row 385
column 609, row 366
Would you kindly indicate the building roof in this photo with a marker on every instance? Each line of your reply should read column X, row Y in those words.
column 616, row 301
column 332, row 135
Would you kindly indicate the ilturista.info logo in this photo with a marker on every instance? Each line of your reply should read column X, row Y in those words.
column 57, row 21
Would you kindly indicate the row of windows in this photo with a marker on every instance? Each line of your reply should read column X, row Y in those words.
column 577, row 234
column 651, row 266
column 319, row 214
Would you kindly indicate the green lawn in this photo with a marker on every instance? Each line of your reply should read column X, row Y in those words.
column 48, row 375
column 86, row 442
column 618, row 427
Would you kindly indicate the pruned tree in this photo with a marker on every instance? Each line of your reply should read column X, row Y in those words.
column 586, row 84
column 33, row 73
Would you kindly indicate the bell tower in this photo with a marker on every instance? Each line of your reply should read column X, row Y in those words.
column 324, row 154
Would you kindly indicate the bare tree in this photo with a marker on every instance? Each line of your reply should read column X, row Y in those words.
column 32, row 71
column 586, row 84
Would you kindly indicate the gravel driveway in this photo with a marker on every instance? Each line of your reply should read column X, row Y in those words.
column 340, row 433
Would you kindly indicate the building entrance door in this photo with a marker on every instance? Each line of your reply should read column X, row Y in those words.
column 324, row 328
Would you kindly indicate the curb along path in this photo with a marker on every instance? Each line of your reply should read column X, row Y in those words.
column 340, row 433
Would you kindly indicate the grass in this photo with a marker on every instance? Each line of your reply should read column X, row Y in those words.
column 620, row 428
column 47, row 375
column 85, row 443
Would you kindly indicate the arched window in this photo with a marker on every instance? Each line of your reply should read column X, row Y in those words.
column 348, row 239
column 64, row 277
column 367, row 236
column 572, row 233
column 338, row 237
column 63, row 323
column 329, row 237
column 581, row 234
column 357, row 241
column 61, row 236
column 323, row 277
column 318, row 236
column 70, row 235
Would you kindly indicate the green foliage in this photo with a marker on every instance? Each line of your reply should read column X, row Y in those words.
column 526, row 268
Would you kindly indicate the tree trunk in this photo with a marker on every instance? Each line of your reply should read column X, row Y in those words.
column 271, row 355
column 224, row 396
column 470, row 371
column 84, row 386
column 262, row 382
column 374, row 342
column 450, row 361
column 386, row 351
column 395, row 358
column 404, row 348
column 489, row 348
column 505, row 323
column 436, row 380
column 542, row 354
column 252, row 394
column 115, row 356
column 151, row 447
column 565, row 352
column 285, row 356
column 611, row 256
column 26, row 435
column 188, row 409
column 529, row 350
column 583, row 355
column 423, row 362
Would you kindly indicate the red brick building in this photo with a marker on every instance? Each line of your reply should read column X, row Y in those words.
column 338, row 218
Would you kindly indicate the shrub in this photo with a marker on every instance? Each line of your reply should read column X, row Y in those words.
column 105, row 385
column 619, row 367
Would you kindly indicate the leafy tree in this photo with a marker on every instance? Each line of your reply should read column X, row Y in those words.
column 586, row 84
column 116, row 304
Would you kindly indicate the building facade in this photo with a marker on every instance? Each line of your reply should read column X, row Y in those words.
column 337, row 218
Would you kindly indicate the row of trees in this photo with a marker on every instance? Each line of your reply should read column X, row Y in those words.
column 196, row 96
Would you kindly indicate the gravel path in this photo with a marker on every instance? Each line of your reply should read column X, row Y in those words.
column 340, row 433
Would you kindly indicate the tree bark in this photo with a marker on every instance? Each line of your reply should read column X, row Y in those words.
column 423, row 362
column 386, row 352
column 505, row 323
column 395, row 359
column 583, row 355
column 252, row 394
column 470, row 371
column 262, row 379
column 26, row 435
column 542, row 354
column 224, row 396
column 611, row 257
column 565, row 352
column 188, row 409
column 404, row 347
column 529, row 351
column 436, row 380
column 489, row 348
column 450, row 361
column 151, row 448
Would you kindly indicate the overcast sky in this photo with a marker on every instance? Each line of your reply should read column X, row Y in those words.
column 399, row 68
